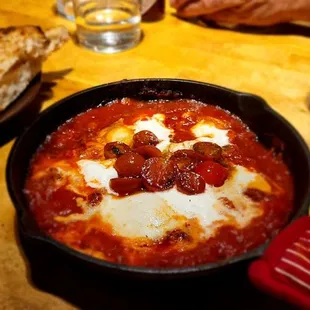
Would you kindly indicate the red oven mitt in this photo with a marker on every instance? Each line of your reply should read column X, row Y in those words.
column 284, row 269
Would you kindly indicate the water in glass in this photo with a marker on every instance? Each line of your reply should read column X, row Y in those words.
column 108, row 26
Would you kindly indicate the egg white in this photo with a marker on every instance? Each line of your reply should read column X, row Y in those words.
column 204, row 132
column 98, row 175
column 155, row 124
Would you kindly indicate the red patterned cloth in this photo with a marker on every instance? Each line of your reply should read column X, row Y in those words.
column 284, row 269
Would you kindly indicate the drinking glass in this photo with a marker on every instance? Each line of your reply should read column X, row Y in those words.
column 107, row 26
column 65, row 8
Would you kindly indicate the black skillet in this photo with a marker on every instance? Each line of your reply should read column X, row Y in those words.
column 272, row 130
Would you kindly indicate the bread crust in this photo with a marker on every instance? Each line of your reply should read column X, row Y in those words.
column 22, row 52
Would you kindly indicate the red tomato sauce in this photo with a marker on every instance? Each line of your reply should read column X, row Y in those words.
column 75, row 140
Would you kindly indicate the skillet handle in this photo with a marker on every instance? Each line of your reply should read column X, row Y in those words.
column 251, row 106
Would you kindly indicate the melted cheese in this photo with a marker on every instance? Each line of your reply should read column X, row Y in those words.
column 98, row 175
column 144, row 215
column 152, row 215
column 204, row 132
column 188, row 145
column 209, row 133
column 155, row 124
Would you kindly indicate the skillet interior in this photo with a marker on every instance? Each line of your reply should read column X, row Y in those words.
column 253, row 110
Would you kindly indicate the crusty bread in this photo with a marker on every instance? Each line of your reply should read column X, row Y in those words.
column 22, row 52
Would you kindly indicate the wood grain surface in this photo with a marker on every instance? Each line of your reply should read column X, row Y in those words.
column 273, row 63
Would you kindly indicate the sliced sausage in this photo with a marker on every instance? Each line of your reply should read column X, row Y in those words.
column 190, row 183
column 144, row 137
column 115, row 149
column 129, row 165
column 158, row 174
column 126, row 186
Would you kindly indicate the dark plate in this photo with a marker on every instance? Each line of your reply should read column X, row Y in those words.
column 272, row 129
column 21, row 112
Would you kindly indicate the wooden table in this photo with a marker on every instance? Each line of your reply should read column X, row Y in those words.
column 276, row 67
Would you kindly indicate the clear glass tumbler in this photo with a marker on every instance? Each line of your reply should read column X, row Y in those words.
column 107, row 26
column 65, row 8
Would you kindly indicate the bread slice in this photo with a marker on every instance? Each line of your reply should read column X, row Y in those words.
column 22, row 52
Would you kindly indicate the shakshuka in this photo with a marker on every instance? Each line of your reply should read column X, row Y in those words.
column 158, row 184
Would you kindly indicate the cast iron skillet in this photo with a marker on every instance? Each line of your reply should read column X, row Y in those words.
column 271, row 128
